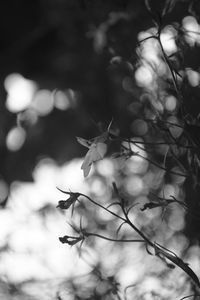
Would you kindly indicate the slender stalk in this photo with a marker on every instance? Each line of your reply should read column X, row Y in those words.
column 161, row 167
column 170, row 68
column 110, row 239
column 106, row 209
column 189, row 296
column 160, row 143
column 176, row 86
column 156, row 164
column 126, row 219
column 147, row 38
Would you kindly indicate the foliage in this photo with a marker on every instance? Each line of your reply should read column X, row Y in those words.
column 166, row 138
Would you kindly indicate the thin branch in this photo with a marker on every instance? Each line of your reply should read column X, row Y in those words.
column 189, row 296
column 147, row 38
column 170, row 68
column 106, row 209
column 161, row 167
column 112, row 240
column 155, row 163
column 126, row 220
column 158, row 143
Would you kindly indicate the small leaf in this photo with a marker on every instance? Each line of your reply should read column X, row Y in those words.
column 147, row 5
column 169, row 5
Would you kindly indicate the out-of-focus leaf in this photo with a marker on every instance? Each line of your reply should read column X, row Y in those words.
column 147, row 4
column 193, row 133
column 169, row 5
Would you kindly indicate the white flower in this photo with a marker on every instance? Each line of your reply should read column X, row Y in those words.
column 97, row 151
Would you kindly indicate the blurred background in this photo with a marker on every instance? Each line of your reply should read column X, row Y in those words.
column 67, row 68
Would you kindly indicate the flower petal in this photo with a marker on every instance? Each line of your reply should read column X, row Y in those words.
column 95, row 153
column 101, row 148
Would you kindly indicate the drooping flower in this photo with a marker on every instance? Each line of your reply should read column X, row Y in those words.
column 70, row 240
column 65, row 204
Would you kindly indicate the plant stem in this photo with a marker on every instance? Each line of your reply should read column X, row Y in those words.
column 112, row 240
column 126, row 220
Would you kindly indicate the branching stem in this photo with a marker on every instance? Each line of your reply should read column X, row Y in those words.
column 126, row 219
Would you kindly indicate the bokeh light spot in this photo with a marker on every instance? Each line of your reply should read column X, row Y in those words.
column 106, row 167
column 3, row 190
column 15, row 138
column 193, row 77
column 61, row 101
column 20, row 92
column 167, row 39
column 168, row 191
column 98, row 187
column 26, row 118
column 149, row 48
column 175, row 127
column 176, row 220
column 139, row 127
column 43, row 102
column 127, row 84
column 144, row 76
column 192, row 28
column 170, row 103
column 134, row 185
